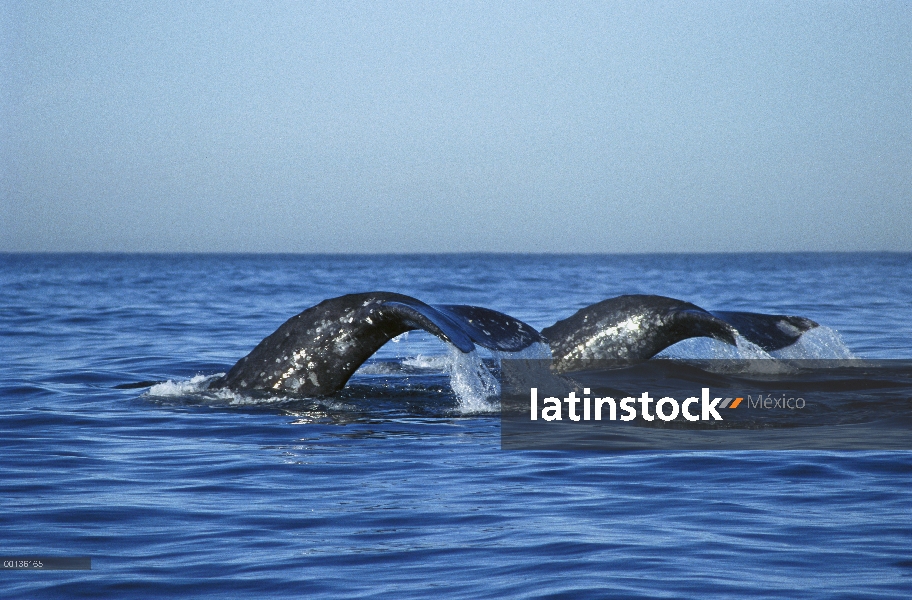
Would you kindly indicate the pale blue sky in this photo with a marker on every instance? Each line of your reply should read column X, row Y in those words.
column 423, row 127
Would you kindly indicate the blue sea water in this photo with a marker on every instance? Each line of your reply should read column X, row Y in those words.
column 398, row 487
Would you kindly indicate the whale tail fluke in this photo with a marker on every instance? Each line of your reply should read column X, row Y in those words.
column 316, row 352
column 629, row 329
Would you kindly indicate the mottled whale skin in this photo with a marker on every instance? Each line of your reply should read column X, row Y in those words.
column 629, row 329
column 315, row 352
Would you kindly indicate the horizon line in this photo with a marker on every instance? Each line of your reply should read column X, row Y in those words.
column 443, row 253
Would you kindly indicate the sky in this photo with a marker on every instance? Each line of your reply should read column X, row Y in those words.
column 455, row 127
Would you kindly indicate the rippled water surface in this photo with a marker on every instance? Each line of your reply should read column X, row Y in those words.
column 398, row 487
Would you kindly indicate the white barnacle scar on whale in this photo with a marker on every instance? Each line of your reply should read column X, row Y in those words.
column 315, row 352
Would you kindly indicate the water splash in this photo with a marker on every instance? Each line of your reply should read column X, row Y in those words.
column 818, row 343
column 477, row 390
column 821, row 343
column 747, row 350
column 702, row 348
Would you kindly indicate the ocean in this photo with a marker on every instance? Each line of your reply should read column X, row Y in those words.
column 398, row 486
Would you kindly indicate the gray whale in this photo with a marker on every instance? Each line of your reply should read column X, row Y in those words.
column 315, row 352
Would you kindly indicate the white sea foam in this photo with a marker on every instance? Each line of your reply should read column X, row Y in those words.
column 439, row 363
column 199, row 386
column 408, row 365
column 172, row 388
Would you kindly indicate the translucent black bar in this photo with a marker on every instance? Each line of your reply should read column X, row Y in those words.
column 707, row 405
column 46, row 563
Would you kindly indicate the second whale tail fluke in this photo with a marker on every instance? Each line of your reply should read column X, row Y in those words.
column 629, row 329
column 637, row 327
column 316, row 352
